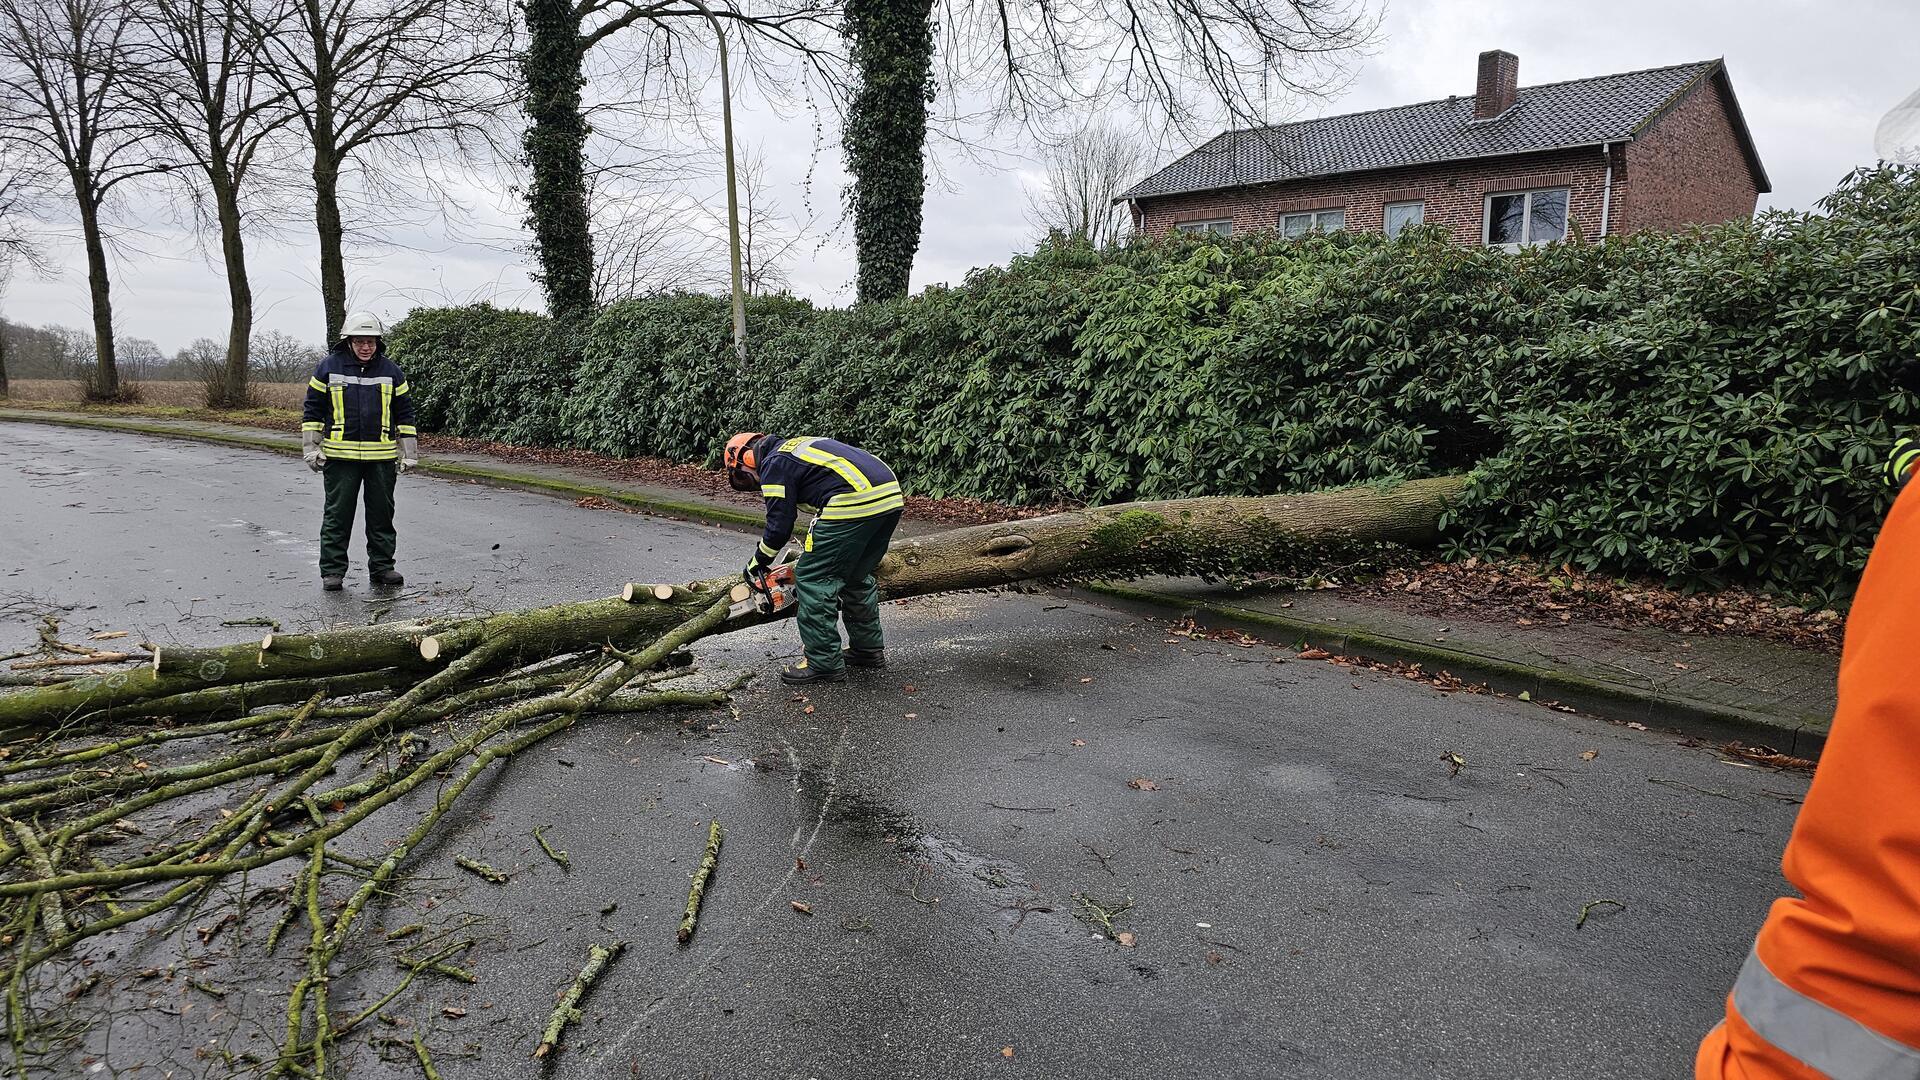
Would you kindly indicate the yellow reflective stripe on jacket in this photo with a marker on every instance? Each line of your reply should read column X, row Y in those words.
column 386, row 411
column 406, row 429
column 401, row 389
column 849, row 506
column 317, row 385
column 845, row 469
column 773, row 491
column 360, row 451
column 767, row 551
column 312, row 425
column 338, row 392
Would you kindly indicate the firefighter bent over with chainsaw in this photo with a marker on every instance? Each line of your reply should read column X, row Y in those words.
column 857, row 503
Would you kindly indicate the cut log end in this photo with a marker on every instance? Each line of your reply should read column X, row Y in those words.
column 543, row 1050
column 634, row 592
column 630, row 593
column 663, row 593
column 739, row 593
column 429, row 648
column 156, row 660
column 266, row 643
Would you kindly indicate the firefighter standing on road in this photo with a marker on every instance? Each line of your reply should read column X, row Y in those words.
column 1832, row 985
column 358, row 432
column 858, row 503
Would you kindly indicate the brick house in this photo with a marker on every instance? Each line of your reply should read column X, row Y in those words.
column 1511, row 165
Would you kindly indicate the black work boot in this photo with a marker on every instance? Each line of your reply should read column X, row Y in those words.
column 388, row 577
column 333, row 582
column 867, row 658
column 803, row 673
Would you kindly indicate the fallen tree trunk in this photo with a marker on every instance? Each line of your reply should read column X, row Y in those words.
column 1177, row 536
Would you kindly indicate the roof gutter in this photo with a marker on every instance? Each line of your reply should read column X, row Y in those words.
column 1606, row 191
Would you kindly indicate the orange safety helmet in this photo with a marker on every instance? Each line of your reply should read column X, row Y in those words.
column 743, row 469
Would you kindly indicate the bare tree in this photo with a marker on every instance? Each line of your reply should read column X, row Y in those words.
column 19, row 194
column 381, row 82
column 662, row 237
column 64, row 70
column 139, row 358
column 279, row 357
column 205, row 91
column 1084, row 173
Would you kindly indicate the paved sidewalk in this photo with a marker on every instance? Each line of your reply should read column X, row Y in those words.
column 1715, row 687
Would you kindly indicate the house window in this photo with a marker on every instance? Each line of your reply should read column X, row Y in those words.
column 1222, row 227
column 1402, row 216
column 1292, row 225
column 1519, row 218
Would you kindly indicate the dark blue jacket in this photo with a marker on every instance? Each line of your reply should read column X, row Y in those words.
column 822, row 476
column 360, row 410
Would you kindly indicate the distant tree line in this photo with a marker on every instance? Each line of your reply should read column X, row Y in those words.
column 61, row 352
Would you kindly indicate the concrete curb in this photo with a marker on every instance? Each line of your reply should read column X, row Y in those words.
column 1616, row 701
column 716, row 515
column 1609, row 700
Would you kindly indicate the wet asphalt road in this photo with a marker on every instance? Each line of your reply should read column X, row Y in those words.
column 1312, row 893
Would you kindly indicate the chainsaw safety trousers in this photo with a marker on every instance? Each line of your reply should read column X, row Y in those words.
column 835, row 582
column 1831, row 987
column 346, row 482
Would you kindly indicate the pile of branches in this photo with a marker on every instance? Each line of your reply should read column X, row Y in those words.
column 287, row 714
column 69, row 808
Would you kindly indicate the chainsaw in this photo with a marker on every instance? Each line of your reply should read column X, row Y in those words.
column 772, row 590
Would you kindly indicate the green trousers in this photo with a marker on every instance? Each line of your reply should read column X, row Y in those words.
column 835, row 581
column 345, row 480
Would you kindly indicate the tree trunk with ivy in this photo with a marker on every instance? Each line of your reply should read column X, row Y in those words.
column 555, row 145
column 891, row 42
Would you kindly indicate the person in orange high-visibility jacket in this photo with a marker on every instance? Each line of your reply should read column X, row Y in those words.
column 1831, row 987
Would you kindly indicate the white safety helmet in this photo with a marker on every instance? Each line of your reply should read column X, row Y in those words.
column 362, row 324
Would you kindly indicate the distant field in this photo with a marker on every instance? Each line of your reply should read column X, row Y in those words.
column 182, row 392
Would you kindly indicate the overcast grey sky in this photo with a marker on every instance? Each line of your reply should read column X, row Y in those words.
column 1813, row 77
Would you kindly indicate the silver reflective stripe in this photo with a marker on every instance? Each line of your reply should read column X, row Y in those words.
column 361, row 380
column 1819, row 1036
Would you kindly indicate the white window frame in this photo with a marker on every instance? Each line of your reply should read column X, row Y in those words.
column 1526, row 217
column 1313, row 220
column 1385, row 214
column 1216, row 226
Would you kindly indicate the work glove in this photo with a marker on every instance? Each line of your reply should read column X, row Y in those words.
column 409, row 453
column 310, row 451
column 1900, row 462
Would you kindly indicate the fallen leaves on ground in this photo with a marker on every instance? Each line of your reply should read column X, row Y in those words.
column 1530, row 593
column 1767, row 755
column 801, row 906
column 1589, row 755
column 1141, row 783
column 1125, row 937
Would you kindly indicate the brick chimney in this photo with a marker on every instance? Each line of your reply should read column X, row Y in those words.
column 1499, row 83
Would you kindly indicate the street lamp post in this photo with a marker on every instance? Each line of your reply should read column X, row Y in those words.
column 733, row 198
